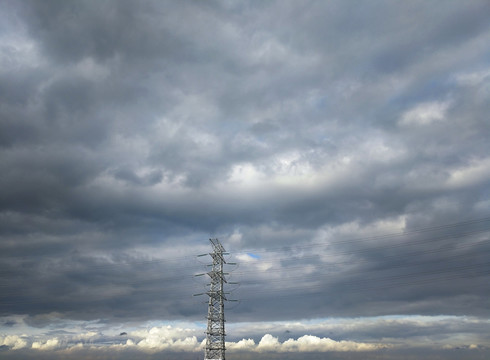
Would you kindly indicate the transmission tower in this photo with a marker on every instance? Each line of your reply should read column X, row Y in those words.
column 215, row 332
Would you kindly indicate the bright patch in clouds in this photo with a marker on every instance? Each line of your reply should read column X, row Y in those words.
column 425, row 113
column 246, row 258
column 475, row 172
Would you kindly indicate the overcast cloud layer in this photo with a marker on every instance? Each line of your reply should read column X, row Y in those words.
column 338, row 149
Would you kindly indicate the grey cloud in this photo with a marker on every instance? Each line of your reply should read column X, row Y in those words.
column 71, row 31
column 130, row 133
column 127, row 175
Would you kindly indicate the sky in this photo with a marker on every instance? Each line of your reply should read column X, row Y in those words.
column 337, row 149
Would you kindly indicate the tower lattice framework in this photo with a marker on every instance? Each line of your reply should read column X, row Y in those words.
column 215, row 333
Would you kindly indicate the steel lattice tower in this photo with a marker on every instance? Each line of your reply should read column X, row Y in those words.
column 215, row 333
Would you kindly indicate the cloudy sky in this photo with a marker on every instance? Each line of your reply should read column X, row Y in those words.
column 338, row 149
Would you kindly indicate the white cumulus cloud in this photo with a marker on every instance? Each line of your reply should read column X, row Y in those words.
column 166, row 337
column 14, row 342
column 50, row 344
column 306, row 343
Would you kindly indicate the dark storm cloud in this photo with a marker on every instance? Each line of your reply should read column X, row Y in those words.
column 131, row 132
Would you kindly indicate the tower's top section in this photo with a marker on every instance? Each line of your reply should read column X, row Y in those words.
column 217, row 247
